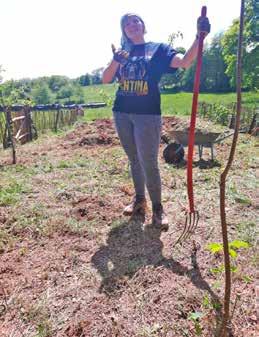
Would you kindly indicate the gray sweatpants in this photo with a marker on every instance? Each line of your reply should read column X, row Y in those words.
column 140, row 137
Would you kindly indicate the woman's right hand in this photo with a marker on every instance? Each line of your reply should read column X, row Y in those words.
column 203, row 26
column 119, row 55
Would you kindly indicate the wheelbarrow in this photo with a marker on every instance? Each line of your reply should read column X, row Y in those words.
column 201, row 139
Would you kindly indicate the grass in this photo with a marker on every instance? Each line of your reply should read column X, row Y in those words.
column 10, row 194
column 45, row 215
column 180, row 103
column 92, row 93
column 61, row 180
column 171, row 103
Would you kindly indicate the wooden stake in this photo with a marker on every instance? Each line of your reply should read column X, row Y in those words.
column 253, row 123
column 57, row 119
column 27, row 115
column 9, row 128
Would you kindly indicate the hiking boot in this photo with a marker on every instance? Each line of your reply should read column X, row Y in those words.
column 159, row 218
column 136, row 206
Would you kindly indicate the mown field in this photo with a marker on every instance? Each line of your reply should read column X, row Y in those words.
column 71, row 265
column 172, row 103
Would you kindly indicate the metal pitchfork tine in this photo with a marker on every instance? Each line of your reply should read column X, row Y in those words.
column 192, row 216
column 191, row 222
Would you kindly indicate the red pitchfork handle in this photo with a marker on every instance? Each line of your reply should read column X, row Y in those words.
column 193, row 116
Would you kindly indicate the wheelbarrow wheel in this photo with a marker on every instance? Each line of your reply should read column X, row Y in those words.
column 173, row 153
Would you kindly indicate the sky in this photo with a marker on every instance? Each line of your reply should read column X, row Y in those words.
column 73, row 37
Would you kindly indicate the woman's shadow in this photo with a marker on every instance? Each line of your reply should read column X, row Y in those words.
column 129, row 247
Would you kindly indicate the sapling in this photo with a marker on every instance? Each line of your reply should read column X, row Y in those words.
column 195, row 318
column 216, row 248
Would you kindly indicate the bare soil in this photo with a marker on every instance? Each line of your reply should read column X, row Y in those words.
column 72, row 265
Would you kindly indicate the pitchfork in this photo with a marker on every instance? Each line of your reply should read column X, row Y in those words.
column 192, row 216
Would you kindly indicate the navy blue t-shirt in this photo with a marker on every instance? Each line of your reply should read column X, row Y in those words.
column 138, row 78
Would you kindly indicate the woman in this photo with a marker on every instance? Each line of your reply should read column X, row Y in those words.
column 139, row 66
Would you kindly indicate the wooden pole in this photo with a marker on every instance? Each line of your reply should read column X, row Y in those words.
column 225, row 321
column 27, row 114
column 9, row 128
column 253, row 123
column 57, row 119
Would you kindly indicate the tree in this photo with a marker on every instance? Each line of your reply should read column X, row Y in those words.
column 250, row 50
column 84, row 80
column 213, row 77
column 97, row 76
column 174, row 80
column 15, row 92
column 173, row 37
column 188, row 78
column 216, row 79
column 42, row 94
column 71, row 94
column 65, row 92
column 55, row 82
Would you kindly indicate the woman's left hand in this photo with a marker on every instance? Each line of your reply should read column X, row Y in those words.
column 203, row 26
column 120, row 55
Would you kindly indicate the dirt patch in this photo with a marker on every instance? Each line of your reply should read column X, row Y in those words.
column 3, row 216
column 101, row 139
column 99, row 132
column 86, row 135
column 95, row 208
column 77, row 329
column 82, row 269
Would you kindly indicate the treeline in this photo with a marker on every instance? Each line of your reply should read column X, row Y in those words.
column 45, row 90
column 48, row 90
column 219, row 58
column 218, row 70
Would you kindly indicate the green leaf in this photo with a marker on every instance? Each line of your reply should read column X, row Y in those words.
column 247, row 279
column 206, row 301
column 232, row 253
column 217, row 270
column 236, row 244
column 214, row 247
column 234, row 269
column 216, row 305
column 194, row 316
column 243, row 200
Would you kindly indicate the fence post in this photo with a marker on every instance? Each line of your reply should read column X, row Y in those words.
column 253, row 123
column 9, row 129
column 57, row 118
column 205, row 110
column 232, row 122
column 28, row 122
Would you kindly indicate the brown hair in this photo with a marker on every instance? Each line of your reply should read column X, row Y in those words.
column 126, row 43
